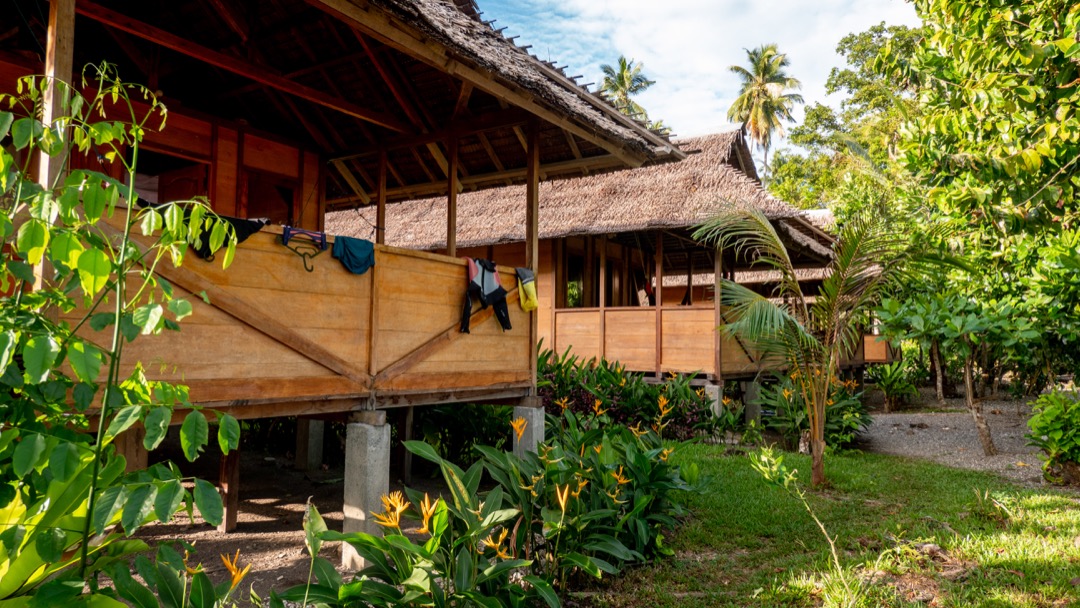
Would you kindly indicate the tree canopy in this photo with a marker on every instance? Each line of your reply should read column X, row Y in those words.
column 765, row 99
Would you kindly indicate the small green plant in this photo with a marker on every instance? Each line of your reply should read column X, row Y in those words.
column 846, row 413
column 1055, row 428
column 993, row 506
column 893, row 382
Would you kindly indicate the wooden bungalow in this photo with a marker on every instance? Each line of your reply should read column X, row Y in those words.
column 288, row 109
column 608, row 241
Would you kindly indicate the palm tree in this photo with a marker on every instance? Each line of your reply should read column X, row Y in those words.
column 623, row 81
column 810, row 335
column 764, row 100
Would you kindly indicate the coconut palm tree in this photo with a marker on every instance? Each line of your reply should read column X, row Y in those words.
column 764, row 99
column 810, row 335
column 622, row 81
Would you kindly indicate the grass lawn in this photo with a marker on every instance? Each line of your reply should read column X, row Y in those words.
column 748, row 543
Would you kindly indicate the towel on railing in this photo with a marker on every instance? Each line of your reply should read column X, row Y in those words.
column 356, row 255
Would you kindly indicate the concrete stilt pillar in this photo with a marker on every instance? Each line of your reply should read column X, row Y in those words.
column 751, row 391
column 533, row 413
column 309, row 444
column 367, row 478
column 715, row 392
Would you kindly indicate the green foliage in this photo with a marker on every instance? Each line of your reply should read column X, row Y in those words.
column 65, row 502
column 892, row 379
column 455, row 431
column 845, row 414
column 1055, row 428
column 623, row 81
column 566, row 382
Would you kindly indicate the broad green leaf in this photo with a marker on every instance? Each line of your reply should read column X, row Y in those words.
column 24, row 130
column 130, row 590
column 128, row 327
column 228, row 434
column 50, row 543
column 194, row 433
column 101, row 320
column 157, row 426
column 107, row 505
column 544, row 590
column 208, row 501
column 202, row 591
column 85, row 359
column 66, row 248
column 32, row 240
column 325, row 572
column 314, row 527
column 170, row 587
column 27, row 454
column 94, row 200
column 148, row 317
column 151, row 222
column 168, row 499
column 94, row 269
column 181, row 308
column 6, row 118
column 8, row 340
column 139, row 505
column 64, row 460
column 39, row 355
column 123, row 419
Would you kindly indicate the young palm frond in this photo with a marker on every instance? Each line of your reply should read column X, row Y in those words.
column 770, row 330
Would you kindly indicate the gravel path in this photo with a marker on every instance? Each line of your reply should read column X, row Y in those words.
column 948, row 436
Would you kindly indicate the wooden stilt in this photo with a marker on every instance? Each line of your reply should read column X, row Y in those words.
column 59, row 57
column 659, row 303
column 532, row 230
column 380, row 208
column 407, row 435
column 229, row 484
column 718, row 318
column 603, row 293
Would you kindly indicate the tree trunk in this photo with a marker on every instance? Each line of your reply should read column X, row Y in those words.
column 817, row 461
column 939, row 371
column 976, row 408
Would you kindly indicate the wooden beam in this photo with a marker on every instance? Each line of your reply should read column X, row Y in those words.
column 718, row 320
column 59, row 58
column 390, row 81
column 490, row 151
column 659, row 304
column 474, row 181
column 463, row 100
column 380, row 209
column 423, row 164
column 603, row 294
column 158, row 36
column 403, row 37
column 532, row 235
column 234, row 21
column 350, row 179
column 229, row 482
column 488, row 122
column 451, row 200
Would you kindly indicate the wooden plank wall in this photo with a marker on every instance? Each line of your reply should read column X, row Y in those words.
column 688, row 339
column 630, row 337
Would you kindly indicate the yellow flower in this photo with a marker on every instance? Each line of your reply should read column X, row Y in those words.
column 622, row 381
column 636, row 430
column 394, row 504
column 787, row 393
column 580, row 486
column 619, row 478
column 597, row 448
column 197, row 569
column 829, row 402
column 726, row 401
column 672, row 375
column 235, row 572
column 665, row 409
column 599, row 411
column 563, row 403
column 519, row 427
column 562, row 496
column 700, row 392
column 614, row 496
column 667, row 452
column 491, row 543
column 427, row 509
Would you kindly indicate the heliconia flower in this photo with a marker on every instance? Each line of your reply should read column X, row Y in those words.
column 636, row 430
column 235, row 572
column 491, row 543
column 614, row 496
column 581, row 486
column 563, row 403
column 662, row 403
column 394, row 504
column 427, row 510
column 597, row 448
column 665, row 453
column 787, row 393
column 519, row 425
column 599, row 411
column 562, row 495
column 619, row 478
column 726, row 400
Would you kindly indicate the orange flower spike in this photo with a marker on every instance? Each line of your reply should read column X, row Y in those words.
column 597, row 409
column 636, row 430
column 237, row 574
column 581, row 486
column 427, row 510
column 619, row 477
column 562, row 495
column 787, row 393
column 563, row 403
column 519, row 425
column 665, row 409
column 614, row 496
column 665, row 453
column 597, row 449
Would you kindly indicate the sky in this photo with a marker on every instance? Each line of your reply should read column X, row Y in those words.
column 686, row 45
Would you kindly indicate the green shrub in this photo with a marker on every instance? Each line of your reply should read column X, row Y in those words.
column 566, row 382
column 845, row 414
column 1055, row 428
column 893, row 380
column 595, row 498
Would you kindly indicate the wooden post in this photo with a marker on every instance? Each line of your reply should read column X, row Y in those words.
column 532, row 231
column 229, row 479
column 59, row 57
column 380, row 205
column 659, row 303
column 718, row 317
column 690, row 277
column 624, row 282
column 588, row 283
column 451, row 199
column 603, row 293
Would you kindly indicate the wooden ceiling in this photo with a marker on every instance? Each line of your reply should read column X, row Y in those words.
column 353, row 80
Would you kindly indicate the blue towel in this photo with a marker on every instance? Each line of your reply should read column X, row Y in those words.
column 356, row 255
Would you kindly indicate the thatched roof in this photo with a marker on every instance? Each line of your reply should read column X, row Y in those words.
column 668, row 196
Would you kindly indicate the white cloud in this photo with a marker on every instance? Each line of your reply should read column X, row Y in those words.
column 686, row 45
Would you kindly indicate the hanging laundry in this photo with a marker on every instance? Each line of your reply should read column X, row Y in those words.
column 356, row 255
column 482, row 280
column 240, row 227
column 527, row 289
column 310, row 245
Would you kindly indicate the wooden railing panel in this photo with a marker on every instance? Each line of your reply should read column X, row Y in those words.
column 875, row 349
column 688, row 340
column 630, row 338
column 578, row 330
